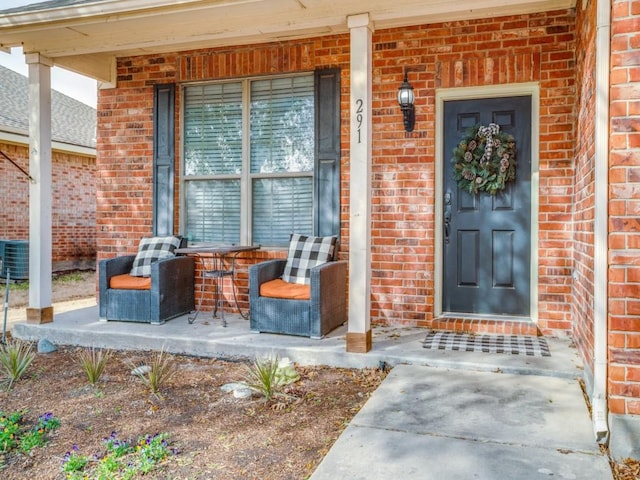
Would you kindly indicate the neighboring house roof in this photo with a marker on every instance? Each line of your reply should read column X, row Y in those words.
column 72, row 122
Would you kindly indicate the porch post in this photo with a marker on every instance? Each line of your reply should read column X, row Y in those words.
column 359, row 329
column 40, row 308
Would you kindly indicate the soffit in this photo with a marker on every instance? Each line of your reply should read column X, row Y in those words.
column 87, row 35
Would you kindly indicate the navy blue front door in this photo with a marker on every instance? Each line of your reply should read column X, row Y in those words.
column 487, row 238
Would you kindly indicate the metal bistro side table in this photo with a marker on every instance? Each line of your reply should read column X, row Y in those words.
column 217, row 262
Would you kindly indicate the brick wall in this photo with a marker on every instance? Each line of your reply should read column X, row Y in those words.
column 528, row 48
column 624, row 210
column 14, row 222
column 73, row 208
column 584, row 200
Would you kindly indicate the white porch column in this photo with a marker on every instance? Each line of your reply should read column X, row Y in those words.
column 40, row 308
column 359, row 329
column 599, row 396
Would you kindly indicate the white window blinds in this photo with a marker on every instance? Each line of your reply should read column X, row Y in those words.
column 273, row 154
column 282, row 144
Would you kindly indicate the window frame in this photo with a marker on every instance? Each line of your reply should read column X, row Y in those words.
column 246, row 177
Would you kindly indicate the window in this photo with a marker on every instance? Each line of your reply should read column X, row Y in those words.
column 261, row 159
column 213, row 162
column 282, row 158
column 249, row 164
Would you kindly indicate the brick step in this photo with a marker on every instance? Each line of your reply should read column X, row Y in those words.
column 485, row 325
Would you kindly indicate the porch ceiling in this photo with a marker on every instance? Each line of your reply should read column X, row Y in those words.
column 87, row 36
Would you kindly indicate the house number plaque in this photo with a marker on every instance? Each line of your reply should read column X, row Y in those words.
column 359, row 117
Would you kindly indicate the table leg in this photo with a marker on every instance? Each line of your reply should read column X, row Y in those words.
column 192, row 317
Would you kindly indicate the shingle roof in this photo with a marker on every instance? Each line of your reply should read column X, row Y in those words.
column 72, row 121
column 47, row 5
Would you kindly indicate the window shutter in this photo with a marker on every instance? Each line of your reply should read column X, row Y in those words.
column 163, row 159
column 327, row 166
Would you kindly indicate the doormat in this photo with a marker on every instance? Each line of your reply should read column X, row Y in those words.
column 510, row 344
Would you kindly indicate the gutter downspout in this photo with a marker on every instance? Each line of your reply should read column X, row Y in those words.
column 601, row 220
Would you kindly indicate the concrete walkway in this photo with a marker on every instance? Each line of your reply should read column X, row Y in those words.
column 433, row 424
column 438, row 414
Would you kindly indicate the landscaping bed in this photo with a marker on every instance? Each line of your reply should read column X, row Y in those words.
column 209, row 432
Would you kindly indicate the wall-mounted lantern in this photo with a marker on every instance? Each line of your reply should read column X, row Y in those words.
column 406, row 99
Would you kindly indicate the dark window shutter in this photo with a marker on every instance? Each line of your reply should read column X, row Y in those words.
column 163, row 159
column 327, row 166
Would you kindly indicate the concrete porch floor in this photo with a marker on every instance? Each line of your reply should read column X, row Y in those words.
column 208, row 338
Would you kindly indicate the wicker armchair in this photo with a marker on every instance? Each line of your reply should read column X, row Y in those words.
column 171, row 293
column 325, row 310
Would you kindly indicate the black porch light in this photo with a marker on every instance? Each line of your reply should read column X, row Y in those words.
column 405, row 100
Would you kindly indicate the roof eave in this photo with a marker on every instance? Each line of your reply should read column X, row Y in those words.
column 88, row 38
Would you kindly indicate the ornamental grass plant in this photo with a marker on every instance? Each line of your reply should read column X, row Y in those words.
column 93, row 362
column 15, row 358
column 158, row 372
column 262, row 376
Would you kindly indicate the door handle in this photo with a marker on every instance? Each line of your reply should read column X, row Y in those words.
column 447, row 223
column 447, row 215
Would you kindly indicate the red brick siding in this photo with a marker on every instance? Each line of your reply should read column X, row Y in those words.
column 624, row 209
column 529, row 48
column 471, row 53
column 582, row 306
column 73, row 208
column 125, row 148
column 14, row 221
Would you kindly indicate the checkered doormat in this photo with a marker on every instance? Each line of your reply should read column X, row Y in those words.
column 510, row 344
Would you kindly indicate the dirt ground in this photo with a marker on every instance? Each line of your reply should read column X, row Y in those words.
column 217, row 435
column 65, row 287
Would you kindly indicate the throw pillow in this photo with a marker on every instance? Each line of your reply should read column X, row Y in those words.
column 304, row 254
column 152, row 249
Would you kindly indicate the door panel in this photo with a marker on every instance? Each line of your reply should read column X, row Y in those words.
column 468, row 257
column 503, row 254
column 487, row 245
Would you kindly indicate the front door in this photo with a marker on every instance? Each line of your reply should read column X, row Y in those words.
column 487, row 238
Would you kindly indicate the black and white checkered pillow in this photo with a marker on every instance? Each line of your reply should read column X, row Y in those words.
column 152, row 249
column 304, row 254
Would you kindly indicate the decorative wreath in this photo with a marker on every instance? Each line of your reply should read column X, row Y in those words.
column 484, row 160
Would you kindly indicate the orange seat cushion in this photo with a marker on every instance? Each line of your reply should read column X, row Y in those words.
column 129, row 282
column 278, row 288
